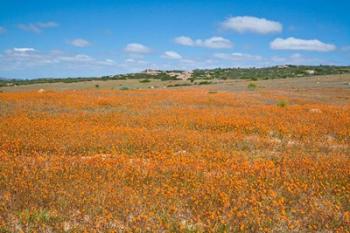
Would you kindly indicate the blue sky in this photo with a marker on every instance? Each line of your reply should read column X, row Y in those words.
column 60, row 38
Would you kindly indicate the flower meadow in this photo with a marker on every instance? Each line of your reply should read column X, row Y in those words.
column 181, row 160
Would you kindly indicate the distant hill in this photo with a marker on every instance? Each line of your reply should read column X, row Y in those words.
column 283, row 71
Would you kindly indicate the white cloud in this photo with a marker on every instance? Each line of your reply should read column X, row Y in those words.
column 215, row 42
column 184, row 40
column 23, row 50
column 252, row 24
column 80, row 42
column 137, row 48
column 172, row 55
column 237, row 57
column 22, row 58
column 37, row 27
column 292, row 43
column 76, row 58
column 2, row 30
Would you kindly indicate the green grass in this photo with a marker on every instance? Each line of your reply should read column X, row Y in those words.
column 28, row 217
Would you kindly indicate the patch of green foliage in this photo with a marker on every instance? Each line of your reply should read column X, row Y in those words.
column 27, row 217
column 254, row 74
column 179, row 85
column 289, row 71
column 282, row 103
column 145, row 81
column 251, row 86
column 205, row 83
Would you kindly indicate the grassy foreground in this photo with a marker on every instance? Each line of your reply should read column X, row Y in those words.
column 189, row 160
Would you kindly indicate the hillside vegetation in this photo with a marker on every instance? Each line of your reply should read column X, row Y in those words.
column 275, row 72
column 289, row 71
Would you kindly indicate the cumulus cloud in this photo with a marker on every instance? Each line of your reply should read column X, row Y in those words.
column 137, row 48
column 172, row 55
column 237, row 57
column 292, row 43
column 2, row 30
column 21, row 58
column 243, row 24
column 184, row 40
column 80, row 42
column 37, row 27
column 76, row 58
column 215, row 42
column 23, row 50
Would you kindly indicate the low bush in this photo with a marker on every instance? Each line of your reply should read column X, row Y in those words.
column 251, row 86
column 282, row 103
column 145, row 81
column 205, row 83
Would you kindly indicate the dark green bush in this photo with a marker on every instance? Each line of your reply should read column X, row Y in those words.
column 145, row 81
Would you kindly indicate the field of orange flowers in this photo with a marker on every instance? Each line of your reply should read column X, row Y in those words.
column 187, row 160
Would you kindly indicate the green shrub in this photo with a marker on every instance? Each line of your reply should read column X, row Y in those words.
column 179, row 85
column 168, row 78
column 145, row 81
column 97, row 86
column 204, row 83
column 124, row 88
column 191, row 79
column 252, row 86
column 282, row 103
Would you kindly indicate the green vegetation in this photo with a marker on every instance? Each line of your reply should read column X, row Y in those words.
column 145, row 81
column 253, row 74
column 180, row 85
column 282, row 103
column 204, row 83
column 251, row 86
column 27, row 217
